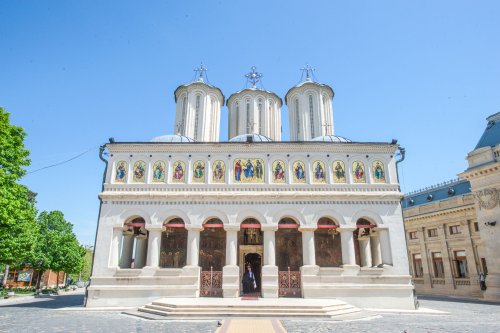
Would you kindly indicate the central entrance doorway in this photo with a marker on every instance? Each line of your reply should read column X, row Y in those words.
column 251, row 250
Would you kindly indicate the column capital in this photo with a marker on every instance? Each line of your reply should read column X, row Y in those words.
column 269, row 227
column 346, row 229
column 155, row 227
column 231, row 227
column 193, row 227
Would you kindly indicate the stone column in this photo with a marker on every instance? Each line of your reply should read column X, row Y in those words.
column 449, row 278
column 154, row 246
column 114, row 256
column 193, row 245
column 141, row 250
column 347, row 243
column 385, row 246
column 365, row 252
column 472, row 263
column 231, row 272
column 375, row 249
column 308, row 249
column 127, row 249
column 269, row 270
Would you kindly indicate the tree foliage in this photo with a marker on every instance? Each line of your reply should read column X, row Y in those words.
column 56, row 247
column 17, row 206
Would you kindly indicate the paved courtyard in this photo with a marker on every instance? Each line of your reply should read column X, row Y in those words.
column 51, row 314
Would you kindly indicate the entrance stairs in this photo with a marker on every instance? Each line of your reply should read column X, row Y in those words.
column 236, row 307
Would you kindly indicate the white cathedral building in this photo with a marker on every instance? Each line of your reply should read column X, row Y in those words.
column 186, row 215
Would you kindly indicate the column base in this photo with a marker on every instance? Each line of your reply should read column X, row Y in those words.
column 231, row 281
column 350, row 269
column 270, row 281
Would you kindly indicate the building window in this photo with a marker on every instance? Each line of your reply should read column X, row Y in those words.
column 311, row 115
column 418, row 270
column 476, row 226
column 261, row 116
column 248, row 118
column 461, row 269
column 237, row 119
column 196, row 117
column 455, row 229
column 432, row 232
column 297, row 122
column 181, row 130
column 413, row 235
column 437, row 265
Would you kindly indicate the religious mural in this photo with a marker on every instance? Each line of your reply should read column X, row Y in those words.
column 159, row 171
column 178, row 172
column 173, row 247
column 279, row 174
column 328, row 248
column 299, row 172
column 358, row 172
column 378, row 172
column 121, row 172
column 338, row 172
column 199, row 172
column 289, row 249
column 319, row 172
column 249, row 170
column 139, row 172
column 219, row 172
column 212, row 249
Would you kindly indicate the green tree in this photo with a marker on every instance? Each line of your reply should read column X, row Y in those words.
column 17, row 204
column 84, row 274
column 56, row 247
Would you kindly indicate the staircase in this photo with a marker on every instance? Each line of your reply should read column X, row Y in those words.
column 235, row 307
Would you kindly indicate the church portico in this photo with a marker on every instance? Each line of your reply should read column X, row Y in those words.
column 315, row 218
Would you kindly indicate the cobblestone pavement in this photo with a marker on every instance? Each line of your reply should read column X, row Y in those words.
column 42, row 315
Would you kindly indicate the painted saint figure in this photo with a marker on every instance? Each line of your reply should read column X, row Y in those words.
column 249, row 169
column 237, row 171
column 158, row 171
column 279, row 173
column 198, row 171
column 378, row 172
column 179, row 172
column 299, row 171
column 259, row 170
column 218, row 172
column 121, row 171
column 339, row 171
column 319, row 173
column 139, row 171
column 358, row 171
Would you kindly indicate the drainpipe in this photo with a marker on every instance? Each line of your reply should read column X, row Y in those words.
column 101, row 157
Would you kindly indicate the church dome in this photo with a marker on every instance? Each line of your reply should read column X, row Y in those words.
column 254, row 137
column 172, row 138
column 331, row 138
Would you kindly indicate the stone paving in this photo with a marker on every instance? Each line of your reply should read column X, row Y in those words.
column 45, row 315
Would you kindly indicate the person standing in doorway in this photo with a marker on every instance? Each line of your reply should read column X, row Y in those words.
column 482, row 281
column 248, row 281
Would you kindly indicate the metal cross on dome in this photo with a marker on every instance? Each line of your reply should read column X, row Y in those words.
column 200, row 71
column 309, row 72
column 253, row 77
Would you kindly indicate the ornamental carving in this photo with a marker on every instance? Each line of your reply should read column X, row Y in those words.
column 488, row 198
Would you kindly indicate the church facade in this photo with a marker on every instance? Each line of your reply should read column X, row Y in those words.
column 185, row 215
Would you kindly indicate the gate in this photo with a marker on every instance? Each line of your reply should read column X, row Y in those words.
column 211, row 283
column 289, row 283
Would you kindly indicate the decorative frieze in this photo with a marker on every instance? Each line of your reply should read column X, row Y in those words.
column 487, row 198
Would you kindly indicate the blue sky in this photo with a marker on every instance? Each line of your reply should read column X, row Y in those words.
column 74, row 73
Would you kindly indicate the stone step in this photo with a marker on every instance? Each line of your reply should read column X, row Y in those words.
column 263, row 309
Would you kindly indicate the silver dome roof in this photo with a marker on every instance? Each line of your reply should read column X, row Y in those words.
column 172, row 138
column 253, row 137
column 331, row 138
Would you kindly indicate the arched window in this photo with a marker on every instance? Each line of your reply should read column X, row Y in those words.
column 237, row 119
column 196, row 117
column 261, row 116
column 297, row 118
column 182, row 130
column 134, row 244
column 368, row 244
column 311, row 115
column 328, row 245
column 173, row 244
column 249, row 121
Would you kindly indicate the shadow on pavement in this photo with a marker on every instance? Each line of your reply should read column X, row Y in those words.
column 49, row 302
column 455, row 299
